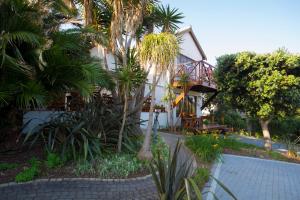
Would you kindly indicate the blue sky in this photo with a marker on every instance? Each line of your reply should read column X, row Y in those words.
column 229, row 26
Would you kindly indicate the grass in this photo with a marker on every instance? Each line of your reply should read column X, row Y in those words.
column 209, row 147
column 29, row 173
column 7, row 166
column 206, row 147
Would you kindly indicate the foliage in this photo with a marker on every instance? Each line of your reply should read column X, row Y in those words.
column 119, row 165
column 261, row 85
column 29, row 173
column 201, row 176
column 169, row 176
column 83, row 167
column 85, row 133
column 53, row 160
column 288, row 127
column 6, row 166
column 68, row 135
column 36, row 66
column 160, row 147
column 172, row 178
column 159, row 50
column 111, row 166
column 265, row 86
column 206, row 147
column 168, row 18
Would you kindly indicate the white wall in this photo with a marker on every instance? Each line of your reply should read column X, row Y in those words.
column 33, row 119
column 189, row 48
column 162, row 119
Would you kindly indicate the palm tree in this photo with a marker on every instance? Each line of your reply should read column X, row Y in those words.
column 167, row 18
column 129, row 77
column 36, row 66
column 159, row 51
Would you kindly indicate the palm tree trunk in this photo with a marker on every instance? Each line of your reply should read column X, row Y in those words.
column 266, row 133
column 88, row 12
column 145, row 152
column 123, row 121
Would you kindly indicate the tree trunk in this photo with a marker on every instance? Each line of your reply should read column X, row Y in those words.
column 123, row 121
column 265, row 129
column 88, row 12
column 145, row 152
column 249, row 125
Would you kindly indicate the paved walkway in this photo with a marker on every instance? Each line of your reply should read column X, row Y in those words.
column 81, row 190
column 257, row 179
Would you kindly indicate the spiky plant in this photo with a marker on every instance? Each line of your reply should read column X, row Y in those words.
column 167, row 18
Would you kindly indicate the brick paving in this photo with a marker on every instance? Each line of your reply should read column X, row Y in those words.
column 258, row 179
column 81, row 189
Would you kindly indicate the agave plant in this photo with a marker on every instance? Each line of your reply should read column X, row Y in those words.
column 169, row 176
column 173, row 178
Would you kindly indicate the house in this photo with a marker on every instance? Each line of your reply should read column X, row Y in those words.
column 189, row 102
column 187, row 107
column 191, row 61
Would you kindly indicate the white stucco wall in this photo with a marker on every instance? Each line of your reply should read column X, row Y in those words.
column 162, row 119
column 189, row 48
column 32, row 119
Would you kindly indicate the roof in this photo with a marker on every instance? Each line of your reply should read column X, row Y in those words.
column 190, row 30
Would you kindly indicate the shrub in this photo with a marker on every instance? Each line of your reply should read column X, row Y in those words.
column 53, row 160
column 83, row 167
column 86, row 133
column 67, row 134
column 201, row 176
column 118, row 165
column 206, row 147
column 6, row 166
column 161, row 147
column 29, row 173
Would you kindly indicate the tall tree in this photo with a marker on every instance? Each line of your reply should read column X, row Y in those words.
column 157, row 51
column 167, row 18
column 261, row 85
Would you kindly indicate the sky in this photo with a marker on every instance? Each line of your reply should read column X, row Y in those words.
column 230, row 26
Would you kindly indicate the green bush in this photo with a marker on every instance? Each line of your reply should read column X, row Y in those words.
column 118, row 165
column 6, row 166
column 53, row 160
column 206, row 147
column 110, row 166
column 201, row 176
column 83, row 167
column 29, row 173
column 161, row 147
column 234, row 119
column 209, row 147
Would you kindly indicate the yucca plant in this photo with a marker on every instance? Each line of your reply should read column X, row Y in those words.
column 169, row 176
column 69, row 136
column 173, row 179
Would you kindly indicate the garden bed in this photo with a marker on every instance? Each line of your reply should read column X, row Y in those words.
column 121, row 167
column 208, row 148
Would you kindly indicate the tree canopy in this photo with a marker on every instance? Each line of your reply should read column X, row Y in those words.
column 261, row 85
